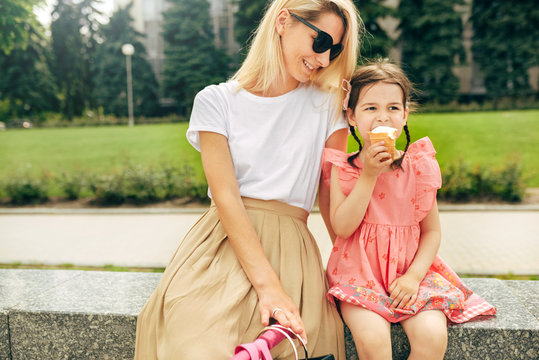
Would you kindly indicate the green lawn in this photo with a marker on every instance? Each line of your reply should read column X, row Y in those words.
column 487, row 138
column 94, row 149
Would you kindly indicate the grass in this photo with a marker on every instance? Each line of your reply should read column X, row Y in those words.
column 94, row 149
column 486, row 138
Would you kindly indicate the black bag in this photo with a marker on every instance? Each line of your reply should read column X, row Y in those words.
column 286, row 331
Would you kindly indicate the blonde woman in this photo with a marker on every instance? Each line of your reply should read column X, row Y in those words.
column 251, row 257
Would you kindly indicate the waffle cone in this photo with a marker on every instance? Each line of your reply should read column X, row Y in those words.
column 389, row 142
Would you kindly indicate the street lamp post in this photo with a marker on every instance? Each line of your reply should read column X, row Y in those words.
column 128, row 50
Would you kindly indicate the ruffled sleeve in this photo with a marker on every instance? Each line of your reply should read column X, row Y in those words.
column 338, row 158
column 427, row 173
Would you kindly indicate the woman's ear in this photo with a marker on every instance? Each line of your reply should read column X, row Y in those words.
column 351, row 117
column 281, row 21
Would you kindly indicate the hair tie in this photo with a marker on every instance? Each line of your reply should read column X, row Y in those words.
column 345, row 85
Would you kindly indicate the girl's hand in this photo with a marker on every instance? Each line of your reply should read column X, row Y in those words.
column 275, row 303
column 403, row 291
column 376, row 159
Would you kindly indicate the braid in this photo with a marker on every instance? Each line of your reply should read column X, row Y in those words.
column 407, row 132
column 353, row 157
column 398, row 163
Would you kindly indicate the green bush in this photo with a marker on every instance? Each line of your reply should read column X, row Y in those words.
column 138, row 185
column 504, row 103
column 142, row 186
column 108, row 190
column 91, row 118
column 177, row 181
column 22, row 190
column 462, row 182
column 4, row 110
column 199, row 192
column 509, row 184
column 74, row 185
column 190, row 186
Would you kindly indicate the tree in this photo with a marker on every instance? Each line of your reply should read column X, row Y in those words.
column 431, row 40
column 376, row 43
column 16, row 21
column 74, row 32
column 68, row 63
column 110, row 70
column 191, row 59
column 89, row 29
column 26, row 82
column 247, row 18
column 505, row 45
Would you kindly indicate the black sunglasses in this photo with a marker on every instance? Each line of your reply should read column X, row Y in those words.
column 323, row 41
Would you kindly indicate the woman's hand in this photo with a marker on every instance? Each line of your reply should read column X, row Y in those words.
column 403, row 291
column 376, row 159
column 275, row 303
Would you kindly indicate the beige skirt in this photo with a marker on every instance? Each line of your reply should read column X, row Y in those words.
column 204, row 304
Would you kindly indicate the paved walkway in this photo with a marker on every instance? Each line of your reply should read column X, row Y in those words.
column 474, row 240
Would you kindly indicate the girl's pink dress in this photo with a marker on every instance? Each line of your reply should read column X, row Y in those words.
column 362, row 267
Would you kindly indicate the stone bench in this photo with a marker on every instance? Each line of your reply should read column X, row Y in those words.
column 57, row 314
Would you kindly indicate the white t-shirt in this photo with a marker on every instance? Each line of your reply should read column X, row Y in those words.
column 276, row 143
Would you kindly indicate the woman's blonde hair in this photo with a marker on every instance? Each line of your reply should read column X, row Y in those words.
column 265, row 63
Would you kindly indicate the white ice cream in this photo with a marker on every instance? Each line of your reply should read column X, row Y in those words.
column 391, row 132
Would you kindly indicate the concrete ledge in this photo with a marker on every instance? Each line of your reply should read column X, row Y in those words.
column 71, row 314
column 57, row 314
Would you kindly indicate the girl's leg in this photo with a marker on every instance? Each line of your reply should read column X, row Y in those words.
column 371, row 332
column 427, row 333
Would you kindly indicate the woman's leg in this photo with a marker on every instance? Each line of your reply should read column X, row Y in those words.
column 371, row 332
column 427, row 333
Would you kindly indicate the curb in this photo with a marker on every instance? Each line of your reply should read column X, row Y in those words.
column 156, row 211
column 101, row 211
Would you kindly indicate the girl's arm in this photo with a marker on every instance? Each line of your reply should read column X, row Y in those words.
column 219, row 170
column 404, row 290
column 347, row 212
column 337, row 140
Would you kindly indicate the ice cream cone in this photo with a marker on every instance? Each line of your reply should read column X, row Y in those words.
column 387, row 135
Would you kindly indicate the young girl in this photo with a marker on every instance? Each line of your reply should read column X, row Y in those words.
column 384, row 267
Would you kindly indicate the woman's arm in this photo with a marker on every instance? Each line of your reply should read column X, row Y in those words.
column 338, row 141
column 404, row 290
column 219, row 170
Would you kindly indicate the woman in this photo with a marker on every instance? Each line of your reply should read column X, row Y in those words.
column 251, row 257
